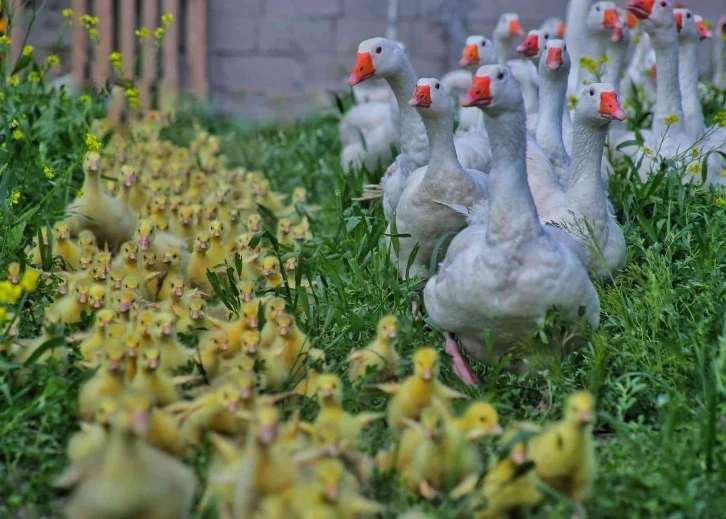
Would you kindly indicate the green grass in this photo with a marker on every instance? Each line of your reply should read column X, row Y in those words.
column 657, row 364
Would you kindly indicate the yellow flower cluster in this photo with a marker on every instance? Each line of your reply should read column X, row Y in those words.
column 14, row 123
column 14, row 197
column 671, row 119
column 14, row 80
column 92, row 142
column 10, row 293
column 116, row 59
column 589, row 64
column 34, row 76
column 694, row 168
column 159, row 33
column 647, row 151
column 142, row 33
column 571, row 103
column 132, row 95
column 89, row 23
column 67, row 13
column 80, row 193
column 167, row 19
column 604, row 59
column 720, row 201
column 17, row 134
column 695, row 152
column 48, row 172
column 52, row 60
column 720, row 118
column 85, row 99
column 28, row 50
column 5, row 40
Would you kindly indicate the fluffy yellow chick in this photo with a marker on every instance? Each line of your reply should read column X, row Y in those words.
column 110, row 221
column 509, row 486
column 52, row 327
column 91, row 347
column 86, row 260
column 213, row 345
column 291, row 340
column 93, row 435
column 247, row 320
column 152, row 380
column 107, row 381
column 416, row 392
column 128, row 479
column 284, row 227
column 115, row 278
column 246, row 290
column 13, row 271
column 173, row 354
column 379, row 355
column 183, row 224
column 214, row 411
column 158, row 212
column 104, row 260
column 132, row 342
column 217, row 252
column 195, row 317
column 172, row 261
column 274, row 308
column 64, row 247
column 198, row 264
column 87, row 241
column 128, row 258
column 150, row 274
column 564, row 453
column 267, row 198
column 271, row 271
column 163, row 430
column 254, row 223
column 72, row 305
column 96, row 296
column 478, row 421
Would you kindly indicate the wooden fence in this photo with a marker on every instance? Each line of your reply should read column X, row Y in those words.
column 118, row 21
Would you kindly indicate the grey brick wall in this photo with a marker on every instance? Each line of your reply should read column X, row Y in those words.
column 280, row 58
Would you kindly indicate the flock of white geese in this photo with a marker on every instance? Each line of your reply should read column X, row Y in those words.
column 519, row 190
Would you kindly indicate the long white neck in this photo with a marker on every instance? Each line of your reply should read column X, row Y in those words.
column 597, row 43
column 617, row 54
column 688, row 79
column 576, row 29
column 552, row 92
column 414, row 142
column 512, row 213
column 444, row 167
column 588, row 141
column 668, row 92
column 719, row 56
column 501, row 44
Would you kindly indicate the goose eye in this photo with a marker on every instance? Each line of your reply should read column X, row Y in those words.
column 437, row 86
column 484, row 44
column 592, row 92
column 500, row 75
column 597, row 8
column 379, row 50
column 688, row 15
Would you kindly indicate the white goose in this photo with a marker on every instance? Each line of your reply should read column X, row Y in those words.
column 380, row 57
column 501, row 277
column 601, row 20
column 507, row 29
column 443, row 179
column 576, row 36
column 525, row 71
column 719, row 55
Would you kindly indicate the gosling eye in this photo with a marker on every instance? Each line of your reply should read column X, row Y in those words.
column 592, row 92
column 500, row 75
column 379, row 50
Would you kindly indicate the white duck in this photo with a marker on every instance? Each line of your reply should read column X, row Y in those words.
column 380, row 57
column 507, row 29
column 419, row 213
column 501, row 277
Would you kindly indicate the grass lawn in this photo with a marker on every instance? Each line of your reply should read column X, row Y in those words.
column 657, row 365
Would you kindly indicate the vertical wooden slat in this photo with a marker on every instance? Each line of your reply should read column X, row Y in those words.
column 101, row 65
column 78, row 61
column 170, row 56
column 150, row 20
column 17, row 33
column 197, row 47
column 127, row 26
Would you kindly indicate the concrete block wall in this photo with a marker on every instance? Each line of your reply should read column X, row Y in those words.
column 279, row 59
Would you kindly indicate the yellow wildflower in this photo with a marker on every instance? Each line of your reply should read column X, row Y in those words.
column 14, row 80
column 33, row 76
column 604, row 59
column 93, row 34
column 14, row 197
column 67, row 13
column 80, row 193
column 647, row 151
column 48, row 172
column 720, row 201
column 52, row 60
column 636, row 39
column 4, row 145
column 671, row 119
column 9, row 293
column 89, row 21
column 5, row 40
column 2, row 96
column 694, row 168
column 133, row 96
column 695, row 152
column 720, row 118
column 142, row 33
column 159, row 33
column 116, row 59
column 167, row 19
column 92, row 142
column 588, row 64
column 28, row 50
column 17, row 134
column 14, row 123
column 85, row 99
column 29, row 280
column 571, row 102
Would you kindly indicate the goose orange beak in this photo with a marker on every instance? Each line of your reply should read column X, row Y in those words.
column 362, row 70
column 421, row 97
column 470, row 56
column 631, row 21
column 480, row 92
column 554, row 59
column 704, row 33
column 617, row 35
column 561, row 30
column 609, row 107
column 678, row 17
column 515, row 29
column 641, row 9
column 530, row 46
column 610, row 19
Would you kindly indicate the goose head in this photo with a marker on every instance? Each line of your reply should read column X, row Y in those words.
column 598, row 104
column 621, row 33
column 508, row 27
column 704, row 33
column 377, row 57
column 603, row 17
column 555, row 59
column 655, row 15
column 494, row 90
column 533, row 44
column 685, row 25
column 554, row 26
column 477, row 52
column 430, row 98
